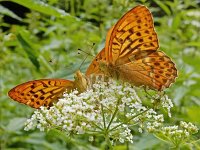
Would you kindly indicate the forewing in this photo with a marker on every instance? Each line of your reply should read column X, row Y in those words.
column 94, row 66
column 40, row 92
column 133, row 32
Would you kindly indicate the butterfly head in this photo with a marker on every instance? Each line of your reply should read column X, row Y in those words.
column 103, row 66
column 80, row 81
column 108, row 69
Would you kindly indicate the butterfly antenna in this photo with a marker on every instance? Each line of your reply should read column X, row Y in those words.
column 52, row 64
column 87, row 54
column 68, row 67
column 80, row 50
column 83, row 62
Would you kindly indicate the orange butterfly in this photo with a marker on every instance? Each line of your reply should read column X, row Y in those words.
column 44, row 92
column 131, row 54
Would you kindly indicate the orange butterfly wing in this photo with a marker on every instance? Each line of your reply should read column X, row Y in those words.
column 134, row 31
column 94, row 67
column 40, row 92
column 155, row 70
column 131, row 52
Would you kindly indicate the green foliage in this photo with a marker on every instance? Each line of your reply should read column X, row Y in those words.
column 44, row 44
column 32, row 54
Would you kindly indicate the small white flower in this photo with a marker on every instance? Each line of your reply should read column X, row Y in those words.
column 167, row 103
column 91, row 138
column 64, row 127
column 140, row 130
column 79, row 130
column 121, row 140
column 83, row 124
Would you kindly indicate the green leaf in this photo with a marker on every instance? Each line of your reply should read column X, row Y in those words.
column 120, row 147
column 32, row 54
column 163, row 6
column 148, row 139
column 176, row 22
column 61, row 135
column 6, row 11
column 197, row 44
column 180, row 93
column 16, row 124
column 194, row 113
column 41, row 7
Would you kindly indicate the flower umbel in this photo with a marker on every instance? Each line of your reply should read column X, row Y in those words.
column 176, row 135
column 110, row 109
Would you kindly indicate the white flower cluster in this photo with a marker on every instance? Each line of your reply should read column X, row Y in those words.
column 126, row 135
column 179, row 133
column 167, row 103
column 108, row 108
column 163, row 100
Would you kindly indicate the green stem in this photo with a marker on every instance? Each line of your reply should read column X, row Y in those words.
column 129, row 120
column 127, row 145
column 97, row 126
column 113, row 116
column 104, row 120
column 108, row 143
column 106, row 129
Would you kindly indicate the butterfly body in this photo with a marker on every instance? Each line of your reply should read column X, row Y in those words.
column 80, row 82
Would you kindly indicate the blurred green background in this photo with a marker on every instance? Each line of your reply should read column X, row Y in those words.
column 40, row 39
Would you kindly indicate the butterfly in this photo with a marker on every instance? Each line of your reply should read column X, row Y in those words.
column 131, row 53
column 45, row 92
